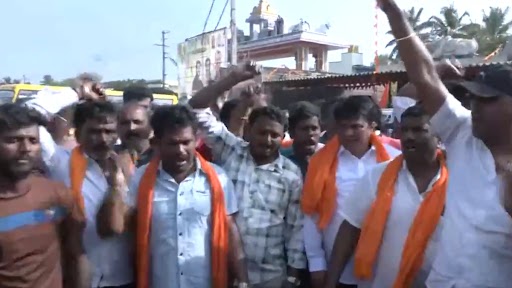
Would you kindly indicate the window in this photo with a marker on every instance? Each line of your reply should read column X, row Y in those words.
column 27, row 93
column 162, row 102
column 6, row 96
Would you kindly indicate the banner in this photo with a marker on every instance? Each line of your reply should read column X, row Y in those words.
column 201, row 59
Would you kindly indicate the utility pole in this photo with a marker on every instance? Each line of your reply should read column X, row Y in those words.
column 234, row 34
column 164, row 54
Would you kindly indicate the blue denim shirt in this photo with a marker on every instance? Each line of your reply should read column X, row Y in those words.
column 180, row 227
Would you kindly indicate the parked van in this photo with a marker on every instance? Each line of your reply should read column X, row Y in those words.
column 11, row 93
column 159, row 99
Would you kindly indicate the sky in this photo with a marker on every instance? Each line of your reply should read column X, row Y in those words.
column 115, row 38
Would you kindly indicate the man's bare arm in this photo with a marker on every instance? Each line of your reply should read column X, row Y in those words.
column 114, row 216
column 344, row 246
column 418, row 62
column 250, row 98
column 209, row 94
column 75, row 266
column 237, row 263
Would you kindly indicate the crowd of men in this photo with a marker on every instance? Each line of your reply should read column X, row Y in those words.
column 192, row 196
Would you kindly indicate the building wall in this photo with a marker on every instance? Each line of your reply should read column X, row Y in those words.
column 348, row 61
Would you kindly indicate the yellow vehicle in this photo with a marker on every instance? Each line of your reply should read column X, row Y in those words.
column 11, row 93
column 159, row 99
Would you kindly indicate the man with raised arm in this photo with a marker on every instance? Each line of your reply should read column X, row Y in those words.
column 476, row 242
column 267, row 185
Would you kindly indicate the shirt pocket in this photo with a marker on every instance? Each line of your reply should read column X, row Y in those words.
column 202, row 202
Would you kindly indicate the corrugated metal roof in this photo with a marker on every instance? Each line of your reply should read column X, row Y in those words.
column 390, row 72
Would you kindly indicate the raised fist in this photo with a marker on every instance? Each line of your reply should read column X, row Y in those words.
column 246, row 71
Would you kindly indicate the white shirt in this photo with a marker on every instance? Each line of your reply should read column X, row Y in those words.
column 475, row 249
column 110, row 259
column 318, row 243
column 180, row 228
column 406, row 202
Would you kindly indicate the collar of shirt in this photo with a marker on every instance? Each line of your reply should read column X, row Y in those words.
column 343, row 150
column 423, row 194
column 197, row 172
column 276, row 165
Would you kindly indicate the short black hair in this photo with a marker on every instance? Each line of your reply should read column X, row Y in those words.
column 170, row 117
column 271, row 112
column 93, row 110
column 301, row 111
column 16, row 116
column 356, row 107
column 227, row 109
column 67, row 112
column 137, row 93
column 415, row 111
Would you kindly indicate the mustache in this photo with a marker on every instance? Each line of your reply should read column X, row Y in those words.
column 102, row 147
column 135, row 134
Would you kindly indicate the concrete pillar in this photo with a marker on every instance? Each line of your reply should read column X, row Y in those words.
column 301, row 58
column 321, row 63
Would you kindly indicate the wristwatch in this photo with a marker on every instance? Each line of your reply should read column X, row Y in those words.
column 293, row 280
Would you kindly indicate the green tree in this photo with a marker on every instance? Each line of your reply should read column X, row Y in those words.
column 414, row 19
column 7, row 80
column 48, row 80
column 494, row 31
column 451, row 24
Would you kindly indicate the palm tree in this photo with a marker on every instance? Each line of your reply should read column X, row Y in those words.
column 451, row 24
column 494, row 31
column 414, row 19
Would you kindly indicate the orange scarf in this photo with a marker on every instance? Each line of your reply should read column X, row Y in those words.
column 219, row 236
column 77, row 169
column 319, row 192
column 424, row 224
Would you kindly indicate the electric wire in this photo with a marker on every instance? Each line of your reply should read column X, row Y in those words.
column 221, row 14
column 208, row 16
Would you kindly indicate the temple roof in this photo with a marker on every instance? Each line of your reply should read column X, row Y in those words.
column 263, row 11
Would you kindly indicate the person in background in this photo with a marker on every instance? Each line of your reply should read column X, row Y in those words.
column 89, row 171
column 138, row 94
column 179, row 195
column 304, row 127
column 86, row 88
column 268, row 185
column 61, row 127
column 40, row 223
column 331, row 177
column 475, row 248
column 327, row 121
column 224, row 117
column 393, row 201
column 134, row 132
